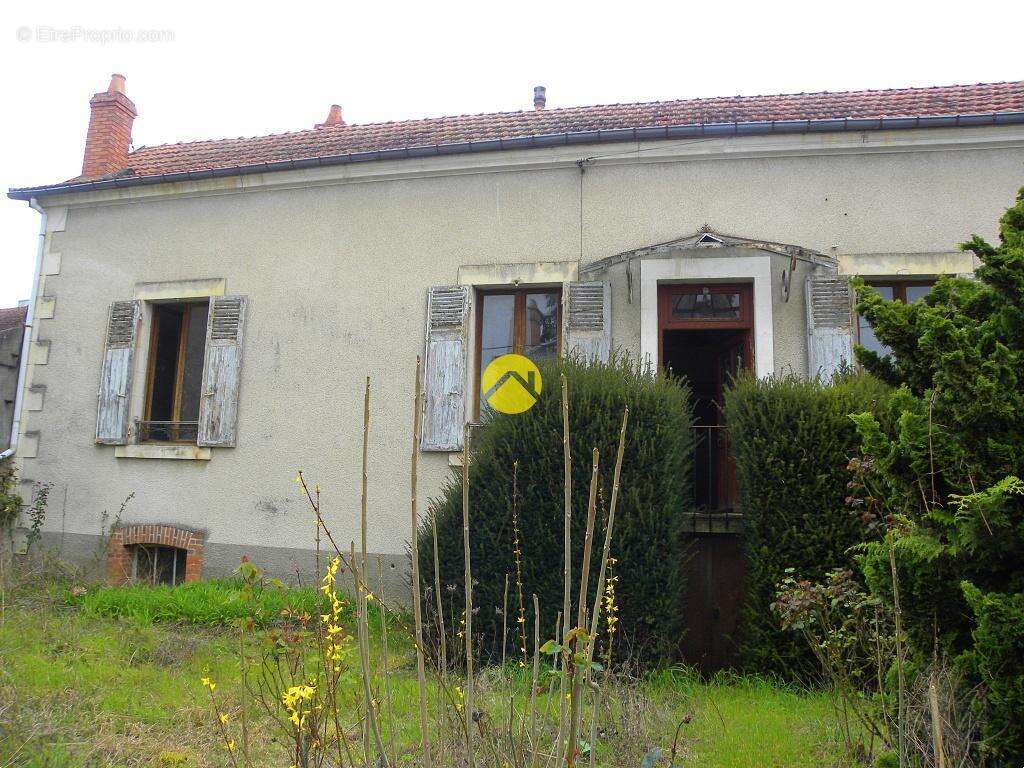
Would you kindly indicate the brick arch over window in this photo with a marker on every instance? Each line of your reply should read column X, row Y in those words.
column 119, row 554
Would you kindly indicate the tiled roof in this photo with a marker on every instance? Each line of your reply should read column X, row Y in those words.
column 12, row 317
column 336, row 140
column 454, row 133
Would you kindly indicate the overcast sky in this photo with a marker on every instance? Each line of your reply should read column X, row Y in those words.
column 227, row 70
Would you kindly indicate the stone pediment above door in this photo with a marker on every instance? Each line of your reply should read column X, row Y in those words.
column 708, row 242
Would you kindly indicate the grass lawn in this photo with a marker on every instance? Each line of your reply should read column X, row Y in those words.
column 114, row 680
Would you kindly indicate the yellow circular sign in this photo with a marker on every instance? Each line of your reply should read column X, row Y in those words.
column 511, row 384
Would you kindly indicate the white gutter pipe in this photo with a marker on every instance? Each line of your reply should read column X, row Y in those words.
column 26, row 342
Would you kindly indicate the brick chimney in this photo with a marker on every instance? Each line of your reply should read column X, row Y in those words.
column 333, row 118
column 110, row 130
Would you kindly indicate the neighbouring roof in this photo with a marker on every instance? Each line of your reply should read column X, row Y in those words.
column 955, row 105
column 12, row 317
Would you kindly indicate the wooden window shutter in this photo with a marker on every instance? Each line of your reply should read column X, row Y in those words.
column 588, row 332
column 222, row 370
column 829, row 325
column 444, row 369
column 116, row 375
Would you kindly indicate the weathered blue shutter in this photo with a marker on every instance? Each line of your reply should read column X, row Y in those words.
column 444, row 368
column 116, row 374
column 829, row 325
column 222, row 370
column 588, row 321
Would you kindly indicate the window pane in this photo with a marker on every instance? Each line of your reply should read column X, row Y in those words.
column 497, row 327
column 165, row 365
column 541, row 325
column 916, row 292
column 195, row 349
column 706, row 306
column 885, row 291
column 868, row 340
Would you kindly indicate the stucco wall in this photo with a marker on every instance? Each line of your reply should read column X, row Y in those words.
column 337, row 273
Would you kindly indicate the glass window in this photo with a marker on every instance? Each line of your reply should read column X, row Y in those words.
column 176, row 353
column 706, row 305
column 541, row 325
column 497, row 327
column 525, row 321
column 916, row 292
column 896, row 291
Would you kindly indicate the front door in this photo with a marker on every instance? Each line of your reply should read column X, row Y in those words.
column 706, row 339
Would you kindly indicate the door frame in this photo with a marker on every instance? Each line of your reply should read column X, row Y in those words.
column 745, row 323
column 688, row 267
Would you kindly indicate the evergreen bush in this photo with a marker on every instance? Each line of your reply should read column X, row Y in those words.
column 647, row 544
column 944, row 475
column 792, row 440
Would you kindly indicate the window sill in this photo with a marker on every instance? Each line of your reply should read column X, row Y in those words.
column 152, row 451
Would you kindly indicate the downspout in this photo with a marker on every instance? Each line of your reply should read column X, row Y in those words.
column 26, row 341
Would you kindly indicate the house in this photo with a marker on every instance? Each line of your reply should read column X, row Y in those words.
column 207, row 312
column 12, row 332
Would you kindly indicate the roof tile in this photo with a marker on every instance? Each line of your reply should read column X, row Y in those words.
column 336, row 140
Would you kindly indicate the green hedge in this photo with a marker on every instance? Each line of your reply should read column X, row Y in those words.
column 792, row 440
column 656, row 492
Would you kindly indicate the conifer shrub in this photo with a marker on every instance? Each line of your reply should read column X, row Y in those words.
column 944, row 476
column 525, row 451
column 792, row 440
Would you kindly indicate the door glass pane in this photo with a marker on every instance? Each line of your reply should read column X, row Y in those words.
column 706, row 306
column 868, row 339
column 541, row 325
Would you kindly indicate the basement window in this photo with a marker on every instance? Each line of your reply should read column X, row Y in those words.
column 154, row 564
column 174, row 380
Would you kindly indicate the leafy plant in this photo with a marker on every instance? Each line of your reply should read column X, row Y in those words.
column 36, row 512
column 852, row 635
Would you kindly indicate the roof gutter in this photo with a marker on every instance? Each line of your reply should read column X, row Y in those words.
column 26, row 340
column 686, row 131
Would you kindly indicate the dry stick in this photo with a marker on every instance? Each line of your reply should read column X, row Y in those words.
column 440, row 609
column 567, row 560
column 384, row 658
column 517, row 551
column 468, row 577
column 605, row 554
column 364, row 663
column 421, row 675
column 580, row 668
column 504, row 625
column 442, row 641
column 521, row 617
column 556, row 667
column 533, row 682
column 361, row 594
column 371, row 713
column 901, row 682
column 937, row 742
